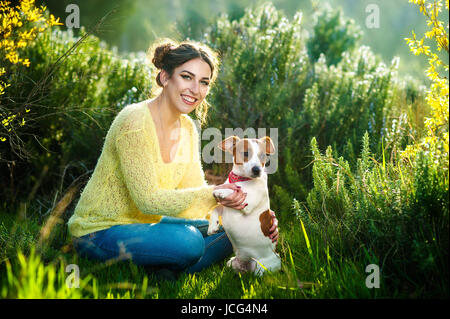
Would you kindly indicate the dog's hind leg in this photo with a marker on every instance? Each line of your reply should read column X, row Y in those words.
column 240, row 266
column 237, row 265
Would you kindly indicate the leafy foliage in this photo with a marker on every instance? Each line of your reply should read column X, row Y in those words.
column 19, row 26
column 436, row 140
column 71, row 109
column 398, row 213
column 333, row 34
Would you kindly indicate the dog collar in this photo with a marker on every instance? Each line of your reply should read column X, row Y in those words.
column 233, row 178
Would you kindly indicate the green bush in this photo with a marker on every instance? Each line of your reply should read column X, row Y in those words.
column 397, row 212
column 69, row 113
column 333, row 34
column 264, row 68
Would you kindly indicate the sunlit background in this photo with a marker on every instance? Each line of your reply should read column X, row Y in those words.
column 361, row 142
column 133, row 24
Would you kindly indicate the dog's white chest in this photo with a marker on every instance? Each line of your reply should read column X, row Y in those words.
column 243, row 229
column 248, row 231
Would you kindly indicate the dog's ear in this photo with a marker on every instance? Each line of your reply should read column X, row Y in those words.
column 267, row 144
column 228, row 144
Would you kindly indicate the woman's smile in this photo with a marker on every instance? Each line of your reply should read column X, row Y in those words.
column 189, row 100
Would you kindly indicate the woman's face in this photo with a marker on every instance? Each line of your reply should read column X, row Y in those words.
column 188, row 86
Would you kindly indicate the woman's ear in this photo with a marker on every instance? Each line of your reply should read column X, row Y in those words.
column 163, row 77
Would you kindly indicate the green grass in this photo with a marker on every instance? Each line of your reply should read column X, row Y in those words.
column 310, row 269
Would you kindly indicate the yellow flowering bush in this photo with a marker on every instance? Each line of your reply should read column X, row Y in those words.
column 19, row 25
column 436, row 139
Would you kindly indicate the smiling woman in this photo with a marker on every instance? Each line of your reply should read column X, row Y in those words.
column 147, row 199
column 167, row 55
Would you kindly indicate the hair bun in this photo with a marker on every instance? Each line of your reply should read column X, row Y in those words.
column 160, row 53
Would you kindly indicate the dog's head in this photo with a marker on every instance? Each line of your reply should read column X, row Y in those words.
column 249, row 154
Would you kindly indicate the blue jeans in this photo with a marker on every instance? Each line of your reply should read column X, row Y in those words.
column 174, row 243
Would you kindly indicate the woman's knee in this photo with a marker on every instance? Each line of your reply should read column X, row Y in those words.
column 189, row 243
column 177, row 245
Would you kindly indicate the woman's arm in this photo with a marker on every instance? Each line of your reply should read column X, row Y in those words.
column 137, row 164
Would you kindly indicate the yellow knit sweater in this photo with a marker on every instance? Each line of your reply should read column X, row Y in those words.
column 132, row 184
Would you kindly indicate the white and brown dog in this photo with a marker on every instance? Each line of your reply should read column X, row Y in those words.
column 248, row 228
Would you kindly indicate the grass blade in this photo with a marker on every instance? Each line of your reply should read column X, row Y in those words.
column 308, row 245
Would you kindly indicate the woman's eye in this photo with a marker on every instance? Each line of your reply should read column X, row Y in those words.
column 205, row 83
column 184, row 76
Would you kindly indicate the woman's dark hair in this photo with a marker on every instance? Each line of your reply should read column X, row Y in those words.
column 167, row 55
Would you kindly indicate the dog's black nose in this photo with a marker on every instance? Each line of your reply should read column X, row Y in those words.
column 256, row 170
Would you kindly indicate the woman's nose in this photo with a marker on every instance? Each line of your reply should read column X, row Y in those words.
column 194, row 87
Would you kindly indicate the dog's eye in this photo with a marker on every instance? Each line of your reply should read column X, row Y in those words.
column 245, row 154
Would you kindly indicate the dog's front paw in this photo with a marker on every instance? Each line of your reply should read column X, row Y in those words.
column 212, row 231
column 213, row 228
column 222, row 193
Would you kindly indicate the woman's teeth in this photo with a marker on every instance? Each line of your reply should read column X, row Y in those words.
column 188, row 99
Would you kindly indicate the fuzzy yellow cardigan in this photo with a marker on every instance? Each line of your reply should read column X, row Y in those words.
column 132, row 184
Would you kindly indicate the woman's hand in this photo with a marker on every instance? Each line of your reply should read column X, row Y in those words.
column 234, row 200
column 273, row 231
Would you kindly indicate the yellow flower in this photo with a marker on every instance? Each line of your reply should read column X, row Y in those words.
column 438, row 95
column 16, row 34
column 21, row 44
column 53, row 21
column 13, row 57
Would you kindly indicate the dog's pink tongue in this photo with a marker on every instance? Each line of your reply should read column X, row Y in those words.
column 233, row 178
